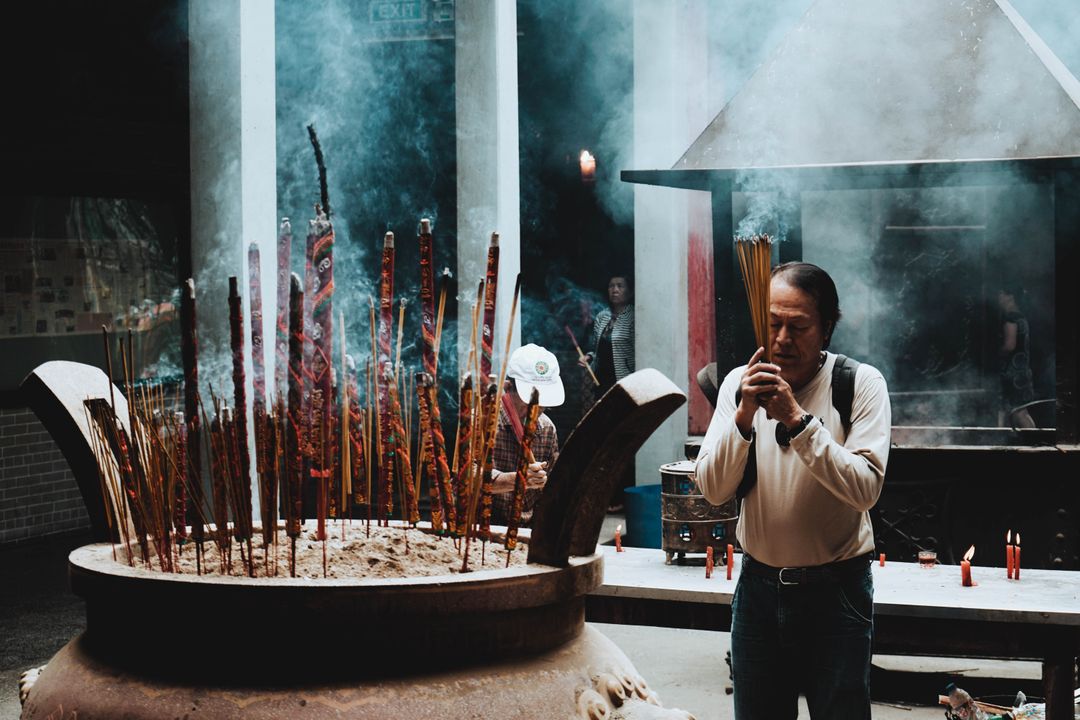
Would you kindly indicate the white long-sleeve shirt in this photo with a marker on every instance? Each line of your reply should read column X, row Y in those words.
column 811, row 503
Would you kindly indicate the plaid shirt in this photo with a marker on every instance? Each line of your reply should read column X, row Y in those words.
column 545, row 447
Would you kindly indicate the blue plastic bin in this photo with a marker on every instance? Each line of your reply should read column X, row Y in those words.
column 643, row 516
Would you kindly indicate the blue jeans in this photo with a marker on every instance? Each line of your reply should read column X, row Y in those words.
column 812, row 638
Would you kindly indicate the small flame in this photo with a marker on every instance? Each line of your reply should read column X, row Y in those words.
column 970, row 553
column 1008, row 538
column 618, row 528
column 588, row 166
column 1018, row 539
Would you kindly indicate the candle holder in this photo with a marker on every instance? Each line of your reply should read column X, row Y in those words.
column 927, row 559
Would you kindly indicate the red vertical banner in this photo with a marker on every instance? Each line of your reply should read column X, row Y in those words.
column 701, row 310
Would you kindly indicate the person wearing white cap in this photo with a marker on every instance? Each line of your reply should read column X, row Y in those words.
column 530, row 366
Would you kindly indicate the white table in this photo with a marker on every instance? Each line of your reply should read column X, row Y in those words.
column 917, row 611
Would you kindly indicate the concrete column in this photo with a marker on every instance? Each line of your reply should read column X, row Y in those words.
column 488, row 197
column 233, row 171
column 662, row 131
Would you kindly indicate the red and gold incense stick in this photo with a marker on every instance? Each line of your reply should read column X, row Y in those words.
column 532, row 417
column 487, row 328
column 384, row 359
column 322, row 320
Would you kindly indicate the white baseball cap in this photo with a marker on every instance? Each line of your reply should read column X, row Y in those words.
column 532, row 366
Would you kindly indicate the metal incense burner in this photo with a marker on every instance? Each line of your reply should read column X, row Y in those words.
column 690, row 523
column 493, row 643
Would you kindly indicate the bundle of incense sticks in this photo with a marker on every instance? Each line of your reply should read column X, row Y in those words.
column 154, row 468
column 755, row 258
column 532, row 415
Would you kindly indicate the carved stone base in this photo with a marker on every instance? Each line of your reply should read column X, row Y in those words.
column 588, row 678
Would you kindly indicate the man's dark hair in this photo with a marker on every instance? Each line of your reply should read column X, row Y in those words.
column 816, row 283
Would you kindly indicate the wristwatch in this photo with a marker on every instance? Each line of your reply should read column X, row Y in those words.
column 803, row 422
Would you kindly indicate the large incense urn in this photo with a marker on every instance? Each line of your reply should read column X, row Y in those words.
column 493, row 643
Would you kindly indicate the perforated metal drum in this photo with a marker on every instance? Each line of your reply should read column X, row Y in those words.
column 690, row 522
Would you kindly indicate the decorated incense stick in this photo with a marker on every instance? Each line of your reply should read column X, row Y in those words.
column 435, row 449
column 463, row 463
column 409, row 511
column 427, row 455
column 487, row 328
column 294, row 437
column 181, row 470
column 189, row 352
column 258, row 356
column 322, row 361
column 242, row 468
column 268, row 477
column 383, row 358
column 281, row 340
column 346, row 437
column 755, row 257
column 427, row 300
column 357, row 445
column 532, row 416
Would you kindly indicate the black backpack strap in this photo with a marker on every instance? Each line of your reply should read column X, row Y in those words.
column 843, row 388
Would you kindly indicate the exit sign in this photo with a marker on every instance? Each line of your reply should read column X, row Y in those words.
column 394, row 11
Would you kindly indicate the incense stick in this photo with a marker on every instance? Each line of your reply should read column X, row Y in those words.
column 755, row 257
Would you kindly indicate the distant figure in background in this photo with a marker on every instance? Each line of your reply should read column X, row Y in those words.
column 611, row 355
column 531, row 366
column 1017, row 388
column 611, row 343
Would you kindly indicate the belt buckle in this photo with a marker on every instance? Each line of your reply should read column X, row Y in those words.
column 780, row 577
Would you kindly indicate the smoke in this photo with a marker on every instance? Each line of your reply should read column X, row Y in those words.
column 383, row 107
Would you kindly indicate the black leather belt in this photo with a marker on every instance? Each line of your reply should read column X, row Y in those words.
column 807, row 575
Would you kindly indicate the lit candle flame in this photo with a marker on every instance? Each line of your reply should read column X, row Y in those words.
column 1017, row 539
column 1008, row 538
column 588, row 166
column 970, row 553
column 618, row 528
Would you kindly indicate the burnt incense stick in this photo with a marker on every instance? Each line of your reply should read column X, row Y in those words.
column 324, row 193
column 294, row 435
column 189, row 352
column 242, row 467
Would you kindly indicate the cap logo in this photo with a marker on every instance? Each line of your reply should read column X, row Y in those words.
column 541, row 367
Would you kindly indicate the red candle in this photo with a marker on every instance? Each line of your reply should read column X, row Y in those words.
column 708, row 562
column 618, row 538
column 1016, row 559
column 730, row 560
column 1009, row 554
column 965, row 567
column 881, row 559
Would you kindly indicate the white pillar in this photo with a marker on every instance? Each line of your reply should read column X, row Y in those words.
column 233, row 173
column 488, row 196
column 661, row 133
